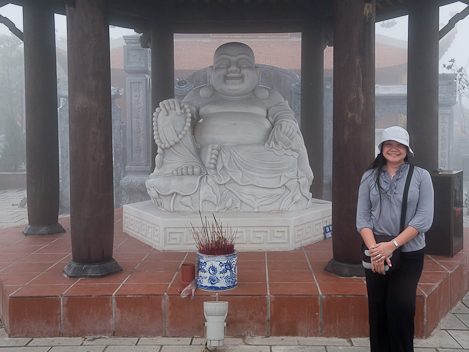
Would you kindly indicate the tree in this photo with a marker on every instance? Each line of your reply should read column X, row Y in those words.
column 13, row 154
column 462, row 79
column 11, row 102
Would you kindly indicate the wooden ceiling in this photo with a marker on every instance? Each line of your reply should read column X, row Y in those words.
column 387, row 9
column 212, row 16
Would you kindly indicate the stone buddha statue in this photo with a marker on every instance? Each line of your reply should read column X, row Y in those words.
column 230, row 146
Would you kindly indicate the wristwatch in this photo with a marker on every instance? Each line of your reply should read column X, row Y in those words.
column 395, row 243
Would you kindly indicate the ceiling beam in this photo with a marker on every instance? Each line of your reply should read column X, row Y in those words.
column 400, row 8
column 11, row 26
column 453, row 20
column 224, row 12
column 238, row 27
column 199, row 16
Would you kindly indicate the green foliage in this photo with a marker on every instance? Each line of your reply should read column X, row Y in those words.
column 13, row 155
column 462, row 78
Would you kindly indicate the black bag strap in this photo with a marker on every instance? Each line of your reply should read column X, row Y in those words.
column 404, row 197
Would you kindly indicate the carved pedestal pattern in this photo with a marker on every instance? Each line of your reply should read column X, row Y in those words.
column 255, row 231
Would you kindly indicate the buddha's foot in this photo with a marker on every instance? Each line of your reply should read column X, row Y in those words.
column 187, row 170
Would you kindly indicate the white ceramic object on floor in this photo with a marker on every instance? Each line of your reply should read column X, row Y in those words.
column 215, row 312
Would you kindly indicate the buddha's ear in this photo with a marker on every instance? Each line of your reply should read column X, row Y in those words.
column 209, row 74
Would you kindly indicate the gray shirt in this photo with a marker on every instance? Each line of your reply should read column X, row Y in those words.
column 382, row 214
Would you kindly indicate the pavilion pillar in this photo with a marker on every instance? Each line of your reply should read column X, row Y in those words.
column 162, row 68
column 42, row 141
column 312, row 100
column 422, row 84
column 353, row 126
column 91, row 171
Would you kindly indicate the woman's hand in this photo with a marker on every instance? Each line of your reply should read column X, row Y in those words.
column 378, row 267
column 381, row 250
column 379, row 256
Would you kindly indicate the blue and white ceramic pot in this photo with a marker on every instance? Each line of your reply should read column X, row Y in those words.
column 217, row 272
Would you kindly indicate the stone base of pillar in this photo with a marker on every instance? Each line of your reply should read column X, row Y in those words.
column 87, row 271
column 344, row 269
column 33, row 230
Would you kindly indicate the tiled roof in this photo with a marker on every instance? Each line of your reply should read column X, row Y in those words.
column 197, row 55
column 387, row 56
column 194, row 55
column 117, row 58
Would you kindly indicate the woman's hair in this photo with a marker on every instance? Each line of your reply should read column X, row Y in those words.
column 378, row 165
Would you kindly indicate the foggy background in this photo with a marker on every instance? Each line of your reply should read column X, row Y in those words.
column 394, row 30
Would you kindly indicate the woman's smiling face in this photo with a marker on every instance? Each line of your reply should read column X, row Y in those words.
column 394, row 152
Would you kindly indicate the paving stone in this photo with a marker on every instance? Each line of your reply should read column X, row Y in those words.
column 14, row 342
column 462, row 336
column 110, row 341
column 451, row 322
column 229, row 341
column 181, row 349
column 451, row 350
column 58, row 341
column 272, row 341
column 361, row 341
column 134, row 349
column 324, row 341
column 464, row 318
column 29, row 349
column 425, row 349
column 242, row 348
column 298, row 348
column 439, row 338
column 77, row 349
column 165, row 341
column 347, row 349
column 466, row 296
column 460, row 308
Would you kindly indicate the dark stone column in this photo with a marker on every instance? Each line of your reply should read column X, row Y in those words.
column 42, row 141
column 422, row 84
column 91, row 171
column 312, row 102
column 162, row 68
column 353, row 127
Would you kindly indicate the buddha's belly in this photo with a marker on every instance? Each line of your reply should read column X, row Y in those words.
column 232, row 129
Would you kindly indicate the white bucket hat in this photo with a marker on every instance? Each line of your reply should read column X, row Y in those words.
column 398, row 134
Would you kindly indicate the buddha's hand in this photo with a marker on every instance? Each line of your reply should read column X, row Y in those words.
column 287, row 128
column 171, row 104
column 282, row 135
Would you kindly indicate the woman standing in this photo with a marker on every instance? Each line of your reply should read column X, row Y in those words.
column 391, row 296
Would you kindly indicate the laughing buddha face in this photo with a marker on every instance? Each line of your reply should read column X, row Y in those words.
column 234, row 72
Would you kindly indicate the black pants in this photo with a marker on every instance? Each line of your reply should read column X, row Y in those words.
column 391, row 304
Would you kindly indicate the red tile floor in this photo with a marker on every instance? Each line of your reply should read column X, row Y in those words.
column 279, row 293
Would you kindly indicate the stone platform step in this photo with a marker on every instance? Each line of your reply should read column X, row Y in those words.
column 284, row 293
